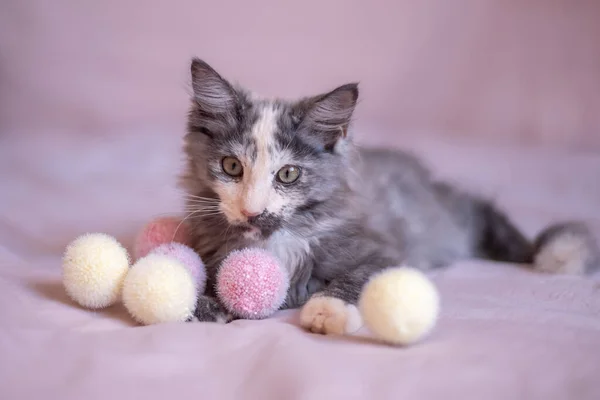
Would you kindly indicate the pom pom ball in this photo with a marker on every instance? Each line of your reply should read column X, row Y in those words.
column 188, row 258
column 251, row 284
column 159, row 231
column 399, row 305
column 94, row 269
column 159, row 288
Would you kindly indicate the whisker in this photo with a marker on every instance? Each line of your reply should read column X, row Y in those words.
column 205, row 203
column 202, row 212
column 191, row 215
column 203, row 200
column 206, row 215
column 202, row 205
column 198, row 197
column 179, row 225
column 191, row 196
column 227, row 240
column 191, row 209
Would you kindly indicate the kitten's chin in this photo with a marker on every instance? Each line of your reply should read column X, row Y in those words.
column 252, row 233
column 255, row 233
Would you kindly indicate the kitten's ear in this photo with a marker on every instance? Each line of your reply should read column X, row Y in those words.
column 326, row 117
column 212, row 93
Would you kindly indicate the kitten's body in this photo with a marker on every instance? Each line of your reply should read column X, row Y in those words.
column 351, row 213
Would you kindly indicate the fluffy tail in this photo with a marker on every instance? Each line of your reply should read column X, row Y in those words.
column 563, row 248
column 568, row 248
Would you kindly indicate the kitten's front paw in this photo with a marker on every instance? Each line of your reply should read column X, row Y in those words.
column 208, row 309
column 330, row 316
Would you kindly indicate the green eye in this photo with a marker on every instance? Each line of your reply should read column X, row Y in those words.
column 232, row 166
column 288, row 174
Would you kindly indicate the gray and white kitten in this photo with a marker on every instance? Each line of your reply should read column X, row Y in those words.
column 286, row 176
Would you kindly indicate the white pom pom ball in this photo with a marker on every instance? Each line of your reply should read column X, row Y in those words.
column 94, row 268
column 159, row 289
column 400, row 305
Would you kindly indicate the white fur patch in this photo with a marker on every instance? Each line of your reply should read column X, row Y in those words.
column 289, row 249
column 330, row 316
column 258, row 186
column 252, row 234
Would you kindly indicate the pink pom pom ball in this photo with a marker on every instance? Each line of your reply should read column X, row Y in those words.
column 251, row 283
column 159, row 231
column 188, row 258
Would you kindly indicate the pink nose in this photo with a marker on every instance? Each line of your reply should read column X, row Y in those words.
column 250, row 214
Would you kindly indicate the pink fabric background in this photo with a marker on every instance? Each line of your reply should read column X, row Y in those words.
column 501, row 96
column 524, row 71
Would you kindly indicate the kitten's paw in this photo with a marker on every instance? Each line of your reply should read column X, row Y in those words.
column 330, row 316
column 208, row 309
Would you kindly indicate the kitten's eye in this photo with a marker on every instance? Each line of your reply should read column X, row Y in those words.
column 232, row 166
column 288, row 174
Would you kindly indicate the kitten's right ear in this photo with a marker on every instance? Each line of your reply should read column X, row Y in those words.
column 212, row 93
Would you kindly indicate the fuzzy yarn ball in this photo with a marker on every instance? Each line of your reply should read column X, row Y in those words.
column 400, row 305
column 159, row 231
column 188, row 258
column 251, row 283
column 159, row 289
column 94, row 268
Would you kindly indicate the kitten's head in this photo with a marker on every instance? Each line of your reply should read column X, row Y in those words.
column 268, row 162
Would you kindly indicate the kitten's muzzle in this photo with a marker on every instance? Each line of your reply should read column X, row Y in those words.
column 251, row 214
column 256, row 219
column 266, row 222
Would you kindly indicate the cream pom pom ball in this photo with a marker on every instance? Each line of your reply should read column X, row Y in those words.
column 400, row 305
column 94, row 268
column 159, row 288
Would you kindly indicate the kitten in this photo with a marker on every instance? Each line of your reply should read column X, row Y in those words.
column 286, row 176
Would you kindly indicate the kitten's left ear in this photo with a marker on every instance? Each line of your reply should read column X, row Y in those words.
column 326, row 117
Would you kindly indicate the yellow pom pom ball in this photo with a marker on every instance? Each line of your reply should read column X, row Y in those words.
column 400, row 305
column 159, row 289
column 94, row 268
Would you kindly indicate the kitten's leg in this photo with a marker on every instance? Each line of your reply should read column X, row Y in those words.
column 303, row 286
column 333, row 311
column 209, row 309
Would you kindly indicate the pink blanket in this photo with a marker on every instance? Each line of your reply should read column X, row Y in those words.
column 504, row 333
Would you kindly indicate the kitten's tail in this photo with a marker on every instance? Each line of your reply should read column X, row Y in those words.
column 566, row 247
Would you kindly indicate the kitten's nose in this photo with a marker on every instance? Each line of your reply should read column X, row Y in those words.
column 250, row 214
